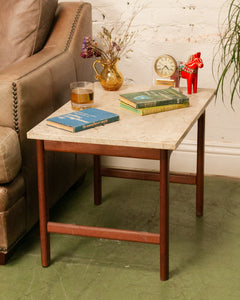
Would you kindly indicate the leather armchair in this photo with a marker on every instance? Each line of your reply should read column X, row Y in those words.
column 29, row 91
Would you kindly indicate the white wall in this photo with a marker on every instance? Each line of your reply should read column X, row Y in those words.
column 180, row 28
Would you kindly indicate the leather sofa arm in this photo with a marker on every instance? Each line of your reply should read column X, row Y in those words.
column 26, row 99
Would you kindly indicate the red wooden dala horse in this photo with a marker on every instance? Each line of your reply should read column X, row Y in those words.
column 189, row 71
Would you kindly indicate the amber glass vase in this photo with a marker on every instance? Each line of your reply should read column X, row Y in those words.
column 110, row 77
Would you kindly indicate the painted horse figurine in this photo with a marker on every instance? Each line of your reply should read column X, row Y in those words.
column 189, row 71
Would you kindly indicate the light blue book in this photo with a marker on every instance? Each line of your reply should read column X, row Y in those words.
column 82, row 119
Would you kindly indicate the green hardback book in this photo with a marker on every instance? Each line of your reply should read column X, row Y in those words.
column 152, row 98
column 82, row 119
column 153, row 109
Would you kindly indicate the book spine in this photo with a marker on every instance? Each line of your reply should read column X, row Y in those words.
column 103, row 122
column 155, row 109
column 162, row 103
column 151, row 110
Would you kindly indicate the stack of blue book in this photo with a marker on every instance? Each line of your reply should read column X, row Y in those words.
column 153, row 101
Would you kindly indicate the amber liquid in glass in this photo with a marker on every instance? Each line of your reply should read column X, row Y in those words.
column 81, row 98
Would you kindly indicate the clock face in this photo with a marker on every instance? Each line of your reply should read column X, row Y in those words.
column 165, row 66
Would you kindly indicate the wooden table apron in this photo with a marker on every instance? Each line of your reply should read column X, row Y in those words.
column 164, row 177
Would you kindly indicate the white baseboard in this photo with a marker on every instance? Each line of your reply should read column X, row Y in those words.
column 220, row 159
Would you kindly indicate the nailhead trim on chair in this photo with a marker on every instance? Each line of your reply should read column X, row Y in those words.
column 73, row 27
column 15, row 107
column 14, row 85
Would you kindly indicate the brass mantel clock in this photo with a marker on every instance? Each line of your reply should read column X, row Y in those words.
column 166, row 68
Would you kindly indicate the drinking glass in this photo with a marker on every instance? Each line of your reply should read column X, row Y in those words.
column 82, row 94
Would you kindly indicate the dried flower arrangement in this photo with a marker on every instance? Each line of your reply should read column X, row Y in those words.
column 111, row 44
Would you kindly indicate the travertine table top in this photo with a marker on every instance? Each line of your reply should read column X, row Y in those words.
column 164, row 130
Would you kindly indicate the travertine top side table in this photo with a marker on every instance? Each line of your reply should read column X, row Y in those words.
column 153, row 136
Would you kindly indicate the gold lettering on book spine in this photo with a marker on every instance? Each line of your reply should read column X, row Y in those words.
column 95, row 124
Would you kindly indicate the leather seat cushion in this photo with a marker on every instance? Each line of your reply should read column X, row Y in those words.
column 24, row 28
column 10, row 154
column 10, row 193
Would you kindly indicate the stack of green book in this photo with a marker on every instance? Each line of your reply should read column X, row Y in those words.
column 153, row 101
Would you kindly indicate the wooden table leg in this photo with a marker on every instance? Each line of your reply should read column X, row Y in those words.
column 43, row 207
column 164, row 214
column 97, row 180
column 200, row 166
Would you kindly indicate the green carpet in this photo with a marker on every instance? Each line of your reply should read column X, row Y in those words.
column 204, row 252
